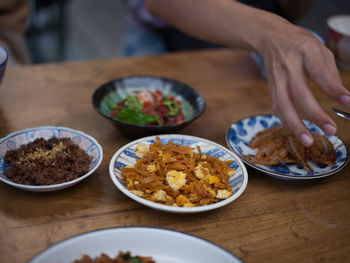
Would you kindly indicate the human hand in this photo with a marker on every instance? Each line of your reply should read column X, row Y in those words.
column 291, row 54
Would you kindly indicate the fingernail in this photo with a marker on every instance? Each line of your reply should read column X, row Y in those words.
column 329, row 129
column 306, row 139
column 345, row 99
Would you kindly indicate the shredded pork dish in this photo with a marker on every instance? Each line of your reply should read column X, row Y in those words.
column 177, row 175
column 277, row 145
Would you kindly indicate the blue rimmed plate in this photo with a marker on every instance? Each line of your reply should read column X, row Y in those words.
column 241, row 132
column 126, row 156
column 16, row 139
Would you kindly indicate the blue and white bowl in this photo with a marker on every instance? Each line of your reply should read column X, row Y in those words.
column 241, row 132
column 126, row 156
column 16, row 139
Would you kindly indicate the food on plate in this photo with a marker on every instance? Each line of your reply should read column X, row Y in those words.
column 148, row 107
column 123, row 257
column 46, row 162
column 277, row 145
column 177, row 175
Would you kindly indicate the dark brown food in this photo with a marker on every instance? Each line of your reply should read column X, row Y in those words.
column 47, row 162
column 121, row 258
column 278, row 145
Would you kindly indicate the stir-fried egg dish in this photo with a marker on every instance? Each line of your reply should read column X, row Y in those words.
column 177, row 175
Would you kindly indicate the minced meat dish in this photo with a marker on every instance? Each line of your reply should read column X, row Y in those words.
column 123, row 257
column 47, row 162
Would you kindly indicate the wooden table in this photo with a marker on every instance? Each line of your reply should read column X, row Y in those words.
column 273, row 221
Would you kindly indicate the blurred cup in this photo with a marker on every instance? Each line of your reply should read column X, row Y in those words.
column 338, row 39
column 3, row 61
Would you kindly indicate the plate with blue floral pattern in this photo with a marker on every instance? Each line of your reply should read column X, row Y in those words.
column 15, row 140
column 126, row 156
column 240, row 133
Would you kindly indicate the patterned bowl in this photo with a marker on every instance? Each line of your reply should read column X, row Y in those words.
column 240, row 133
column 126, row 156
column 193, row 103
column 16, row 139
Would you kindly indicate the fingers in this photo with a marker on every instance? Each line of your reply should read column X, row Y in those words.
column 284, row 107
column 302, row 94
column 326, row 73
column 287, row 67
column 290, row 118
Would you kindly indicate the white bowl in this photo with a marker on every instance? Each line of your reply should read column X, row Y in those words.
column 163, row 245
column 16, row 139
column 126, row 156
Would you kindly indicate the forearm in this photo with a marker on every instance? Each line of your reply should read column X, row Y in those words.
column 225, row 22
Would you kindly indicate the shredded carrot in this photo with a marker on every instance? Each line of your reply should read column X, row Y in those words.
column 176, row 175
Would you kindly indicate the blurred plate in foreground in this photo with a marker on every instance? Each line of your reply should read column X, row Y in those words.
column 163, row 245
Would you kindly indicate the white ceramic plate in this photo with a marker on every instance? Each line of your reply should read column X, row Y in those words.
column 163, row 245
column 16, row 139
column 241, row 132
column 126, row 156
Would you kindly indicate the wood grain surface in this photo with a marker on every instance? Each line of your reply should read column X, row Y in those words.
column 272, row 221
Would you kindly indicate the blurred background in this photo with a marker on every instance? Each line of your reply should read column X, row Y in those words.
column 66, row 30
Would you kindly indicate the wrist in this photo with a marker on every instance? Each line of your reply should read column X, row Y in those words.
column 268, row 29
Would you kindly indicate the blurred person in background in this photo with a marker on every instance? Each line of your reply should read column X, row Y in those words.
column 13, row 24
column 290, row 53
